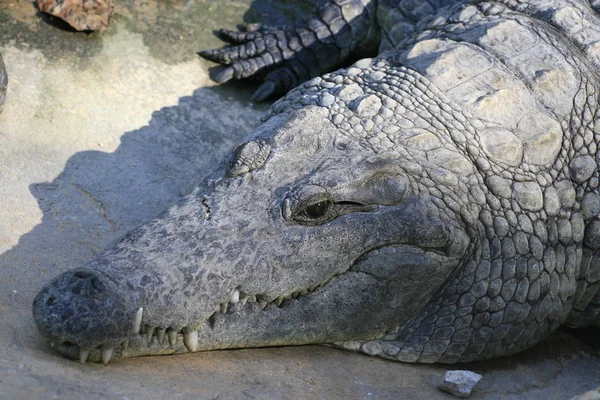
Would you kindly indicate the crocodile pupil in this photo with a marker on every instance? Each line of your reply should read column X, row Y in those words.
column 317, row 210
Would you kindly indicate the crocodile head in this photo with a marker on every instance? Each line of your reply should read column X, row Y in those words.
column 306, row 235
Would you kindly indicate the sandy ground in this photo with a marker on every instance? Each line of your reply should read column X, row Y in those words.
column 99, row 134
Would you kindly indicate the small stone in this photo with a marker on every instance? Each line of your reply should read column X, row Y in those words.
column 460, row 383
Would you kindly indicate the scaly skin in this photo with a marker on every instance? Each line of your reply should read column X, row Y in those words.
column 436, row 204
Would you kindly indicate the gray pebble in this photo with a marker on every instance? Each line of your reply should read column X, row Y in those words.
column 460, row 383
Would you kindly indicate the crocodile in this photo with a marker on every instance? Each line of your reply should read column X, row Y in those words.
column 437, row 202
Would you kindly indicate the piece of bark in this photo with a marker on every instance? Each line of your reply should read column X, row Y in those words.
column 83, row 15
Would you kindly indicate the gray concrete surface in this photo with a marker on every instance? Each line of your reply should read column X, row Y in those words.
column 102, row 132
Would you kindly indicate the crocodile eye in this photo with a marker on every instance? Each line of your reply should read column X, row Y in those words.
column 313, row 211
column 317, row 210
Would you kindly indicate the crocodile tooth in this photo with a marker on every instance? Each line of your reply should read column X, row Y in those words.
column 83, row 355
column 191, row 340
column 223, row 308
column 149, row 335
column 295, row 294
column 106, row 354
column 160, row 335
column 278, row 301
column 52, row 344
column 287, row 297
column 137, row 324
column 262, row 303
column 235, row 297
column 172, row 337
column 303, row 292
column 252, row 299
column 244, row 300
column 125, row 345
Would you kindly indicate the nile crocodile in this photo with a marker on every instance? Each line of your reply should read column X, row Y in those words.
column 436, row 203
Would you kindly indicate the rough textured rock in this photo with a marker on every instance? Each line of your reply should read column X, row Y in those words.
column 460, row 383
column 425, row 204
column 83, row 15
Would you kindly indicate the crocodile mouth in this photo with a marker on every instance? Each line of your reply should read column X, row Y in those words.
column 148, row 340
column 346, row 305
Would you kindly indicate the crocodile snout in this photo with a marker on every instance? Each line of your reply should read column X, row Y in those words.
column 83, row 304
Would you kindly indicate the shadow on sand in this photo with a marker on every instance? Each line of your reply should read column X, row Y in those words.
column 100, row 196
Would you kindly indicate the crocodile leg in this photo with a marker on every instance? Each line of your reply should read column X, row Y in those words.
column 288, row 56
column 398, row 19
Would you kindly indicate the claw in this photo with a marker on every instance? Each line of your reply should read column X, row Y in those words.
column 234, row 37
column 264, row 91
column 211, row 55
column 224, row 75
column 249, row 27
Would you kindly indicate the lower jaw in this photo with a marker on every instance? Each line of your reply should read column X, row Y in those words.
column 214, row 335
column 315, row 318
column 135, row 346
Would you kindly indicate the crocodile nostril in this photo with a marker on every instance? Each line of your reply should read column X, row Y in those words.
column 85, row 283
column 97, row 284
column 50, row 300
